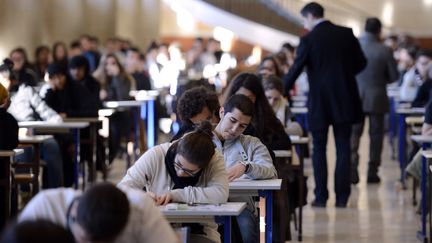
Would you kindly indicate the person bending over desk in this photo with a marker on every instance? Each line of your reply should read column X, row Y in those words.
column 103, row 213
column 245, row 156
column 189, row 170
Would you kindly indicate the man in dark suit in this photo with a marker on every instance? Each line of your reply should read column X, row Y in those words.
column 332, row 57
column 381, row 70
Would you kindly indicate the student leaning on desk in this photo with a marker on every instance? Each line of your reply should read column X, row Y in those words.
column 8, row 124
column 189, row 170
column 244, row 155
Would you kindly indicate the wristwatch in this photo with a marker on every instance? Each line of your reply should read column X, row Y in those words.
column 246, row 165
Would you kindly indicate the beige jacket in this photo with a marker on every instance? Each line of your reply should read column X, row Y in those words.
column 150, row 172
column 145, row 223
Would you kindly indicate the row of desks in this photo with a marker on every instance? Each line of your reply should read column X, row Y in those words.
column 222, row 213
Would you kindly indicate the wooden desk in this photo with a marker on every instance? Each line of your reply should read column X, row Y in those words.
column 94, row 125
column 301, row 117
column 282, row 153
column 427, row 157
column 206, row 214
column 35, row 142
column 146, row 104
column 262, row 188
column 300, row 144
column 6, row 160
column 303, row 98
column 426, row 142
column 60, row 127
column 403, row 113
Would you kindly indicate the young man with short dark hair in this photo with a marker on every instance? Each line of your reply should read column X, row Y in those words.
column 245, row 156
column 103, row 213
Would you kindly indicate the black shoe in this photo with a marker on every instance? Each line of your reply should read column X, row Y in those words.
column 341, row 204
column 354, row 177
column 317, row 204
column 373, row 179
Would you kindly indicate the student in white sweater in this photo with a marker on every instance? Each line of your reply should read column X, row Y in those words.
column 103, row 213
column 189, row 170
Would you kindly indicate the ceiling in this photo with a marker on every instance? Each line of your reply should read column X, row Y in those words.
column 399, row 16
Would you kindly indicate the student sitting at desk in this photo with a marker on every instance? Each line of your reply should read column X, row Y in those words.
column 189, row 170
column 116, row 84
column 66, row 97
column 103, row 213
column 245, row 156
column 273, row 88
column 69, row 99
column 27, row 105
column 414, row 168
column 194, row 106
column 8, row 124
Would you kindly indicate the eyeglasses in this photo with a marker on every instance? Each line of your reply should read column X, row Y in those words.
column 188, row 172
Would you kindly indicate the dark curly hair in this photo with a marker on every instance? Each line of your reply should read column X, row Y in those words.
column 265, row 123
column 193, row 101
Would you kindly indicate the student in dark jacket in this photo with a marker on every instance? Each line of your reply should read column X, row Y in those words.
column 8, row 124
column 68, row 98
column 80, row 72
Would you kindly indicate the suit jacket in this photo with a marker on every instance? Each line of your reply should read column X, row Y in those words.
column 332, row 57
column 380, row 70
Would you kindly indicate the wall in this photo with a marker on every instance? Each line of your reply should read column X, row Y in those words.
column 29, row 23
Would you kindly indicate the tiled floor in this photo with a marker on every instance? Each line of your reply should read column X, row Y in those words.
column 376, row 213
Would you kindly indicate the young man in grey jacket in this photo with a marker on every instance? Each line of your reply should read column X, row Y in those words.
column 245, row 156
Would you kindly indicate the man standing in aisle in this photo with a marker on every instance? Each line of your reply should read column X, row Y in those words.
column 332, row 57
column 381, row 70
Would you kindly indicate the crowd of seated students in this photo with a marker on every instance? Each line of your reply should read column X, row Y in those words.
column 195, row 167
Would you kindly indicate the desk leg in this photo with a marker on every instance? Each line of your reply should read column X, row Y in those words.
column 301, row 192
column 77, row 156
column 268, row 195
column 151, row 132
column 36, row 159
column 136, row 134
column 392, row 127
column 92, row 162
column 402, row 149
column 226, row 222
column 429, row 197
column 423, row 199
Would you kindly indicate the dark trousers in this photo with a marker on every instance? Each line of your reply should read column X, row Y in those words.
column 342, row 134
column 376, row 135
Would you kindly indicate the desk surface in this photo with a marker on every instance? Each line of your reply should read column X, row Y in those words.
column 303, row 98
column 248, row 184
column 299, row 110
column 144, row 95
column 282, row 153
column 299, row 140
column 51, row 125
column 83, row 119
column 427, row 154
column 34, row 139
column 411, row 111
column 123, row 103
column 414, row 120
column 422, row 138
column 9, row 153
column 224, row 209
